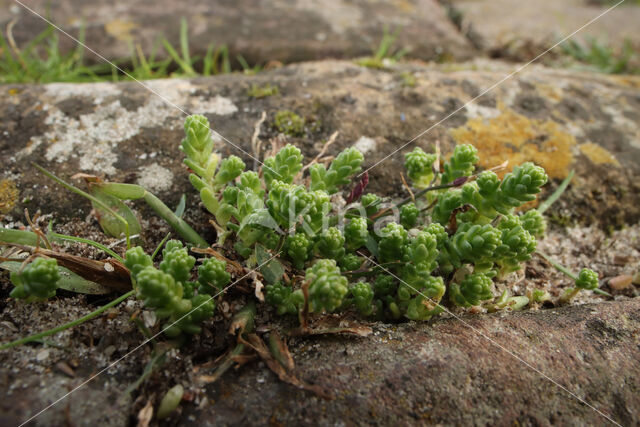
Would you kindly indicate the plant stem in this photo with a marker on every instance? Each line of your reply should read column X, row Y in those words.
column 558, row 266
column 71, row 324
column 175, row 221
column 418, row 194
column 132, row 192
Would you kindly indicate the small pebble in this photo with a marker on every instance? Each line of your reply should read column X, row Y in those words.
column 65, row 369
column 42, row 355
column 149, row 318
column 621, row 282
column 109, row 350
column 8, row 325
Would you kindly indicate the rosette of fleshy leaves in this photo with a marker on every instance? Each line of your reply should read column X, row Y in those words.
column 209, row 174
column 36, row 281
column 168, row 290
column 345, row 165
column 461, row 163
column 284, row 166
column 284, row 298
column 330, row 244
column 327, row 287
column 472, row 290
column 489, row 196
column 291, row 205
column 516, row 247
column 419, row 166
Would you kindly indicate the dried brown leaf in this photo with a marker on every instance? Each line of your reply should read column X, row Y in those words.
column 260, row 347
column 280, row 351
column 145, row 414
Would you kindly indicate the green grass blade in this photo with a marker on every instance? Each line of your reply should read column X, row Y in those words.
column 66, row 326
column 87, row 196
column 556, row 194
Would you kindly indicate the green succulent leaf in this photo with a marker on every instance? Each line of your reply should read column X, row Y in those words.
column 356, row 233
column 330, row 244
column 462, row 163
column 298, row 247
column 587, row 279
column 327, row 287
column 362, row 294
column 472, row 290
column 391, row 244
column 534, row 222
column 419, row 166
column 37, row 281
column 409, row 215
column 284, row 166
column 284, row 298
column 212, row 276
column 345, row 165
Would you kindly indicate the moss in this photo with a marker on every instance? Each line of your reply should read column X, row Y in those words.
column 371, row 62
column 258, row 92
column 8, row 195
column 561, row 220
column 408, row 79
column 289, row 123
column 518, row 139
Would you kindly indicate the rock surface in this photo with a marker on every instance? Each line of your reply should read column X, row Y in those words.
column 561, row 120
column 448, row 371
column 455, row 371
column 261, row 31
column 535, row 26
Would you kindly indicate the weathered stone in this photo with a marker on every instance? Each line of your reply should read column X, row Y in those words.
column 525, row 29
column 452, row 372
column 277, row 30
column 561, row 120
column 447, row 371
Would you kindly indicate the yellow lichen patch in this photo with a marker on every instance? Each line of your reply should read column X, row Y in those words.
column 8, row 195
column 404, row 5
column 550, row 92
column 120, row 29
column 597, row 154
column 518, row 139
column 631, row 81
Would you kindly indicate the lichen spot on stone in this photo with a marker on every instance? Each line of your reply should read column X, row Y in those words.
column 155, row 177
column 120, row 29
column 518, row 139
column 366, row 145
column 217, row 105
column 597, row 154
column 8, row 195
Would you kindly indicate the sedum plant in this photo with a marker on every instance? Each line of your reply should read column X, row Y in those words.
column 37, row 281
column 459, row 232
column 169, row 291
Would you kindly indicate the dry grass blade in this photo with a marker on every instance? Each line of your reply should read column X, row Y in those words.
column 280, row 351
column 146, row 414
column 236, row 267
column 111, row 273
column 256, row 142
column 315, row 160
column 260, row 347
column 359, row 330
